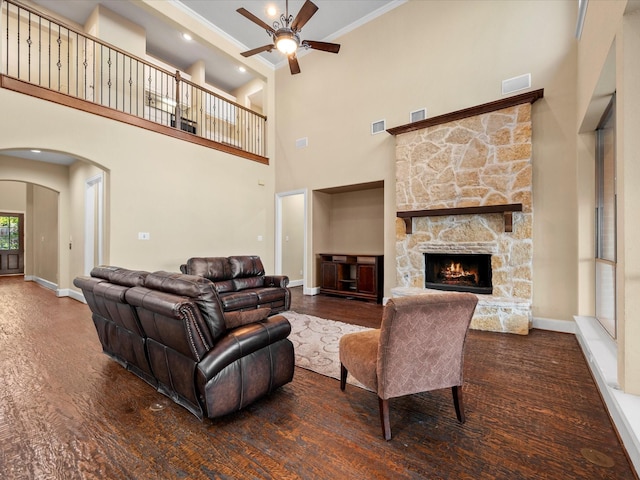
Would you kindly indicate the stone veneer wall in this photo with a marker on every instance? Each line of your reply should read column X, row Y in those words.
column 477, row 161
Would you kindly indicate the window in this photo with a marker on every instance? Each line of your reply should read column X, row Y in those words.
column 9, row 233
column 606, row 220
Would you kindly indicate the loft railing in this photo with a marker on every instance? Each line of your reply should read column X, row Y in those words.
column 41, row 51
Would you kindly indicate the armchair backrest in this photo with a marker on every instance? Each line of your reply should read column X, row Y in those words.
column 422, row 342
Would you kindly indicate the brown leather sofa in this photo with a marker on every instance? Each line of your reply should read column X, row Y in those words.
column 171, row 331
column 241, row 282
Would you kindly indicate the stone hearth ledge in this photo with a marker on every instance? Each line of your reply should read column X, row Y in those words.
column 493, row 314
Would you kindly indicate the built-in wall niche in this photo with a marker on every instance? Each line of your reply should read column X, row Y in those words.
column 348, row 219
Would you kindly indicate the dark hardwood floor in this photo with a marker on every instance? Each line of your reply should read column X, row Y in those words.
column 69, row 412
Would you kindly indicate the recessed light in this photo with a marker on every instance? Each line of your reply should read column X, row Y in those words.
column 272, row 11
column 35, row 151
column 242, row 69
column 187, row 37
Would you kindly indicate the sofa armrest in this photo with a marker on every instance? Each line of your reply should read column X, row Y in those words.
column 276, row 281
column 241, row 342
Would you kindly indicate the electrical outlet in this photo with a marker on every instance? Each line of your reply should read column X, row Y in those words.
column 144, row 236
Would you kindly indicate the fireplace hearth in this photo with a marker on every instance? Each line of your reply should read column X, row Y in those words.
column 463, row 272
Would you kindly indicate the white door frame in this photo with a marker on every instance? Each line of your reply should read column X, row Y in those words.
column 278, row 259
column 90, row 221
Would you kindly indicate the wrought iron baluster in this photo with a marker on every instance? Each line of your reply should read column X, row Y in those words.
column 29, row 50
column 59, row 63
column 18, row 38
column 40, row 51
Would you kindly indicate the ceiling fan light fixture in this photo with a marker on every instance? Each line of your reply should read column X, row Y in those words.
column 287, row 41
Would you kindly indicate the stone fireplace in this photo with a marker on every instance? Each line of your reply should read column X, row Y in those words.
column 463, row 189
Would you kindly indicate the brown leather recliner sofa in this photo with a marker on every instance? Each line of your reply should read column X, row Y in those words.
column 241, row 282
column 171, row 331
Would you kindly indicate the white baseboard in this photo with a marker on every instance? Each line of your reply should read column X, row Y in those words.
column 75, row 295
column 42, row 282
column 311, row 290
column 563, row 326
column 296, row 283
column 624, row 409
column 60, row 292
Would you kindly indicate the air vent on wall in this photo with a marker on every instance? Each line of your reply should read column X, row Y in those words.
column 418, row 115
column 378, row 127
column 514, row 84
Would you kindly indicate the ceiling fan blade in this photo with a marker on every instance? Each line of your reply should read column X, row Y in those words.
column 293, row 64
column 245, row 13
column 264, row 48
column 324, row 46
column 306, row 12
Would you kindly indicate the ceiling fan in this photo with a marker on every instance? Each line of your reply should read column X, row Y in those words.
column 286, row 34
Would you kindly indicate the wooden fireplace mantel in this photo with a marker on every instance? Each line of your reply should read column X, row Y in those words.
column 506, row 209
column 528, row 97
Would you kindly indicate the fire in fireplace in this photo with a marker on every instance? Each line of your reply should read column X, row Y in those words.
column 465, row 272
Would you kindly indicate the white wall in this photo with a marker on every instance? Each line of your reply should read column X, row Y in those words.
column 13, row 197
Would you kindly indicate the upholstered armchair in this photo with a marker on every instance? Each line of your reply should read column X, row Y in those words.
column 419, row 347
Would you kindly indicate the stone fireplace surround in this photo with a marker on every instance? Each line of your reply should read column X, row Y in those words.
column 464, row 185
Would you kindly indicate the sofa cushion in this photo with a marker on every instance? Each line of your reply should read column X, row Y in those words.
column 239, row 318
column 120, row 276
column 213, row 268
column 246, row 266
column 239, row 300
column 197, row 288
column 270, row 295
column 248, row 282
column 225, row 286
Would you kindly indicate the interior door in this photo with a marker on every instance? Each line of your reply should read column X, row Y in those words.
column 11, row 243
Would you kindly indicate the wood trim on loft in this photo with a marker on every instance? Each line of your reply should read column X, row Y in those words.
column 529, row 97
column 67, row 100
column 506, row 209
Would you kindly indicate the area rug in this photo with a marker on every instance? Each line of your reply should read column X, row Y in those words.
column 315, row 342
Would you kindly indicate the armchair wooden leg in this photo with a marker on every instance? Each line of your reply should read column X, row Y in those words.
column 457, row 402
column 384, row 418
column 343, row 377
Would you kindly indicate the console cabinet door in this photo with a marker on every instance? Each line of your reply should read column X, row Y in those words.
column 329, row 275
column 367, row 279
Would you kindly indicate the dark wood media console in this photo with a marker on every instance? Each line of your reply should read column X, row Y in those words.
column 356, row 276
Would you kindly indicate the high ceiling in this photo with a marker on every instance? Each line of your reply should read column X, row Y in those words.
column 165, row 42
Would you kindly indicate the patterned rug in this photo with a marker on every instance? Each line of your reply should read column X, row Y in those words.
column 315, row 342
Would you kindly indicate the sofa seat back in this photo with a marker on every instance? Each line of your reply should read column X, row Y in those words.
column 116, row 322
column 229, row 274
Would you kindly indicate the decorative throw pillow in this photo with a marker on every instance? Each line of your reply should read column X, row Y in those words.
column 237, row 319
